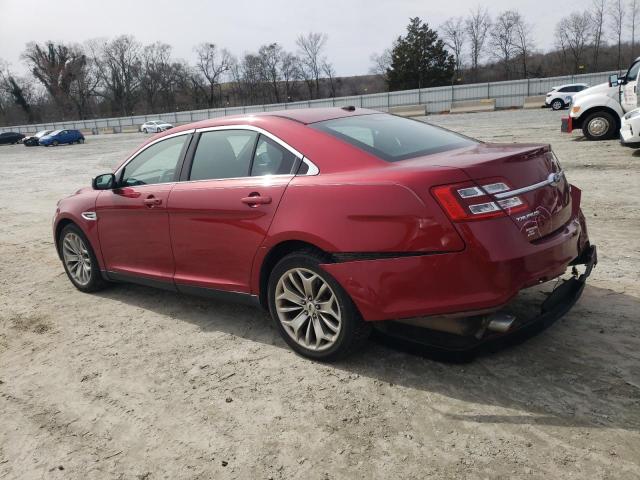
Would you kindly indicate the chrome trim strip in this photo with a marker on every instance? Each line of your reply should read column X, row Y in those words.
column 313, row 169
column 253, row 129
column 91, row 216
column 553, row 179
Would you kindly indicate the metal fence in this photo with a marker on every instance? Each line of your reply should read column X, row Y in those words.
column 437, row 99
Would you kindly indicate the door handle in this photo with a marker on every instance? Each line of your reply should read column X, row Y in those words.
column 152, row 201
column 256, row 199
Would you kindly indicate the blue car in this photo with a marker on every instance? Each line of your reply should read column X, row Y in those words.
column 59, row 137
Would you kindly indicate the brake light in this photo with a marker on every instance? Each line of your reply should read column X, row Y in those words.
column 468, row 201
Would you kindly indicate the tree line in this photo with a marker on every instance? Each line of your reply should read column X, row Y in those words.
column 121, row 76
column 480, row 47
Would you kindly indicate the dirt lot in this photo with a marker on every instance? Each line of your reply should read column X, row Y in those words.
column 135, row 383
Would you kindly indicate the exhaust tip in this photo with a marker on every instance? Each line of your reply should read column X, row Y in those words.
column 500, row 322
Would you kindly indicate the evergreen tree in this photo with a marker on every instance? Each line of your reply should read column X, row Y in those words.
column 419, row 59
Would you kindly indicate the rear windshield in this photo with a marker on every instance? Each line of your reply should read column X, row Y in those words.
column 393, row 138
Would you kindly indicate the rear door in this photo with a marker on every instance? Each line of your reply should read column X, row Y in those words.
column 133, row 223
column 221, row 213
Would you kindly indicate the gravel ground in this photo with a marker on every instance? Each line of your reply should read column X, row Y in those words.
column 135, row 383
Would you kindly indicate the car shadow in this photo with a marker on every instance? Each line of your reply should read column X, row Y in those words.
column 581, row 372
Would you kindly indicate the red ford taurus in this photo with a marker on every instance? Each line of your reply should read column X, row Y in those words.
column 333, row 219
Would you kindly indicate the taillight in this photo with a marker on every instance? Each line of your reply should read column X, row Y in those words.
column 468, row 201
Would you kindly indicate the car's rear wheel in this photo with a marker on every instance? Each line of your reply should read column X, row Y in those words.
column 79, row 260
column 599, row 126
column 55, row 143
column 144, row 130
column 557, row 104
column 81, row 141
column 312, row 312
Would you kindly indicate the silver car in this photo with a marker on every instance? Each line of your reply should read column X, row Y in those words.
column 155, row 126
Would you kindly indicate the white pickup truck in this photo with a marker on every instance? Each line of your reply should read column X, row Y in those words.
column 598, row 110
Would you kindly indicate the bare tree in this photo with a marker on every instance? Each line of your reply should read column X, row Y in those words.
column 477, row 26
column 271, row 61
column 330, row 74
column 212, row 63
column 381, row 63
column 311, row 47
column 118, row 64
column 523, row 40
column 19, row 90
column 573, row 34
column 598, row 13
column 454, row 36
column 634, row 9
column 155, row 72
column 290, row 72
column 616, row 20
column 56, row 67
column 502, row 38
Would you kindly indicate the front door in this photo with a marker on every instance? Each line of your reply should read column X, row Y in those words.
column 133, row 223
column 629, row 96
column 221, row 214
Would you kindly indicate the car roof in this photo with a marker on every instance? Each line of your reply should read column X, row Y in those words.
column 313, row 115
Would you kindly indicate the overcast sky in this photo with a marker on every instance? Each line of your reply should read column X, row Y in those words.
column 356, row 28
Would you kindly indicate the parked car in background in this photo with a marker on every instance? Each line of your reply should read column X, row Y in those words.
column 155, row 126
column 60, row 137
column 561, row 97
column 10, row 138
column 333, row 219
column 34, row 140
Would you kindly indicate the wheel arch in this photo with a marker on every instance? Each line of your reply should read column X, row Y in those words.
column 578, row 122
column 274, row 255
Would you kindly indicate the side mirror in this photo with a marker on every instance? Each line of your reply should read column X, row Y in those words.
column 614, row 81
column 106, row 181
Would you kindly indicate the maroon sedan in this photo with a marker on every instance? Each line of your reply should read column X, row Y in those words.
column 333, row 219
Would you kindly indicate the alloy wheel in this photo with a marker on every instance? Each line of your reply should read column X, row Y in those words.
column 76, row 258
column 308, row 309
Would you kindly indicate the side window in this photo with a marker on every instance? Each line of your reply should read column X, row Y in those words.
column 632, row 74
column 564, row 89
column 223, row 154
column 271, row 159
column 156, row 164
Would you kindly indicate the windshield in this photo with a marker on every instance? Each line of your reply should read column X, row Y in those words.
column 393, row 138
column 42, row 133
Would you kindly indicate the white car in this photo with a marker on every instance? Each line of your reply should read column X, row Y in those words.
column 155, row 126
column 562, row 96
column 630, row 129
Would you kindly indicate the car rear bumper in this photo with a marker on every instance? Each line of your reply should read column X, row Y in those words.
column 483, row 277
column 434, row 343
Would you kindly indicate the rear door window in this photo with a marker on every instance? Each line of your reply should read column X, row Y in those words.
column 271, row 159
column 223, row 154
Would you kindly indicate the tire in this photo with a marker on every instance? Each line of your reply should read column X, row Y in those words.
column 144, row 130
column 81, row 141
column 55, row 143
column 94, row 281
column 348, row 330
column 557, row 104
column 599, row 126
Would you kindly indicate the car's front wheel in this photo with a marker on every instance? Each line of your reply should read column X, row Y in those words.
column 557, row 104
column 79, row 260
column 600, row 126
column 312, row 312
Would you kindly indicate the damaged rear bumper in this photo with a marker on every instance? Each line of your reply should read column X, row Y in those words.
column 510, row 330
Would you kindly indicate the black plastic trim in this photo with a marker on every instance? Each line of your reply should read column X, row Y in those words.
column 363, row 256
